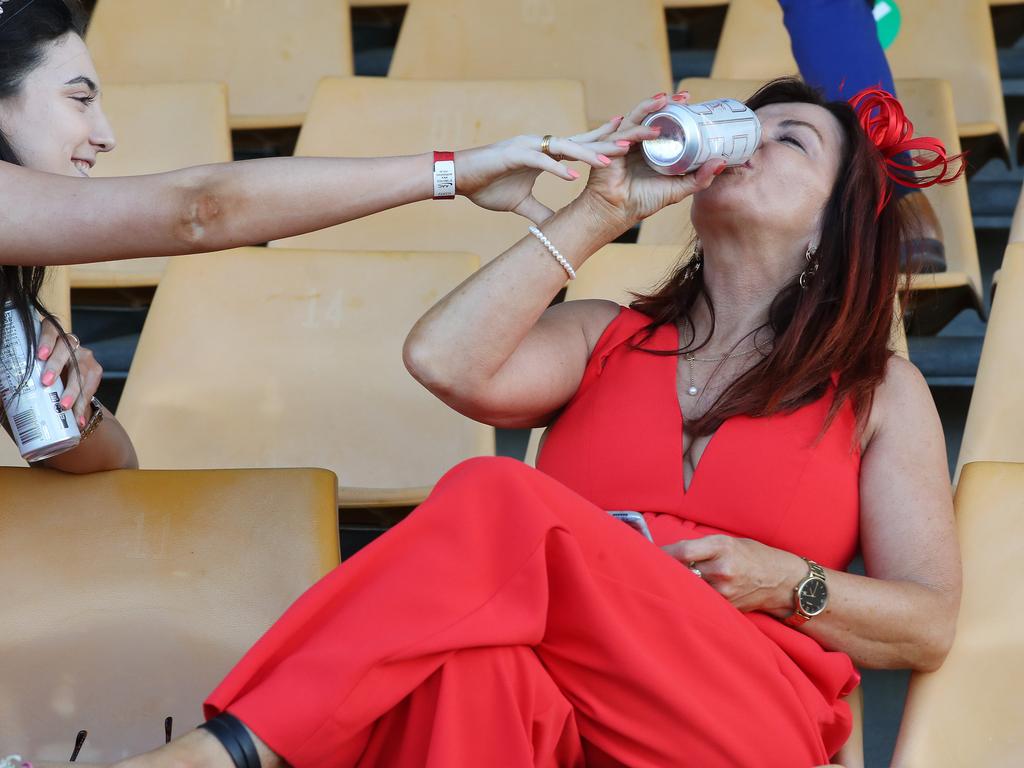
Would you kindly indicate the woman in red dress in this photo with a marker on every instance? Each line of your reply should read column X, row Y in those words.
column 750, row 409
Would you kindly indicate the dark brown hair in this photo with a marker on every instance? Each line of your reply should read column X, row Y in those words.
column 26, row 28
column 841, row 324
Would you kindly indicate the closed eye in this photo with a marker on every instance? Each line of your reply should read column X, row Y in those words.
column 792, row 140
column 86, row 100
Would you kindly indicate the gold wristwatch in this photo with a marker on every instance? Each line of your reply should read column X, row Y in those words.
column 810, row 596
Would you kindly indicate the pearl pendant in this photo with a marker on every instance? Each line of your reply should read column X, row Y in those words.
column 692, row 391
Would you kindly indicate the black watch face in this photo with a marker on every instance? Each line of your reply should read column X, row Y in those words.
column 813, row 595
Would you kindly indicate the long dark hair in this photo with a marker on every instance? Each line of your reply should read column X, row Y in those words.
column 841, row 323
column 26, row 28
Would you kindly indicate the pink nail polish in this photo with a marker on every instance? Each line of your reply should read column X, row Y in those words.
column 44, row 353
column 81, row 421
column 604, row 159
column 574, row 173
column 623, row 143
column 48, row 378
column 719, row 170
column 66, row 403
column 618, row 117
column 679, row 97
column 658, row 95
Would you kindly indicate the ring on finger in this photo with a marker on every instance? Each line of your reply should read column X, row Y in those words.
column 692, row 565
column 545, row 146
column 74, row 342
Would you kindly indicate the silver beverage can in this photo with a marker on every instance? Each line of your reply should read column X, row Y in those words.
column 41, row 428
column 692, row 134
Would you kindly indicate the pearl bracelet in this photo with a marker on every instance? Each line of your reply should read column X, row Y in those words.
column 554, row 252
column 14, row 761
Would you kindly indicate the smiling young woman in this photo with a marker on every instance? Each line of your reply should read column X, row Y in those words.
column 53, row 131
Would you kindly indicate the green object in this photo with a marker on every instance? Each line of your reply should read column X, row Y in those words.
column 888, row 20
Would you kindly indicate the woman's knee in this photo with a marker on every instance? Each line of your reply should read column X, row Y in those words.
column 487, row 473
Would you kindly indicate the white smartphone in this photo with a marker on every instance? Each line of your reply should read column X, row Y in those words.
column 633, row 520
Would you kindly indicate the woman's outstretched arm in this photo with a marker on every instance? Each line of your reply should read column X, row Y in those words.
column 47, row 219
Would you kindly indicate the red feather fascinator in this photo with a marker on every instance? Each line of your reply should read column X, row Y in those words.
column 882, row 117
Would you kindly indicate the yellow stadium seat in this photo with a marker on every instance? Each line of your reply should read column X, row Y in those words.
column 693, row 3
column 265, row 357
column 968, row 711
column 1017, row 225
column 1016, row 236
column 936, row 297
column 369, row 117
column 953, row 42
column 129, row 595
column 270, row 54
column 159, row 128
column 56, row 297
column 619, row 270
column 620, row 53
column 56, row 294
column 995, row 420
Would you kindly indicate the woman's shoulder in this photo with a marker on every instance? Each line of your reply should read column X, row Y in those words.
column 593, row 316
column 902, row 395
column 606, row 324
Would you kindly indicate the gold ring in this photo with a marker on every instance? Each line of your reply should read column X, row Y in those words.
column 545, row 147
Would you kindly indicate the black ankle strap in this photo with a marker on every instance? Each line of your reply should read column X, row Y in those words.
column 235, row 738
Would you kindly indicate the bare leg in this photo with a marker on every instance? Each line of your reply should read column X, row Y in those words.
column 195, row 749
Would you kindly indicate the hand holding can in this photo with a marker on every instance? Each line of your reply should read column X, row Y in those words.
column 628, row 189
column 41, row 427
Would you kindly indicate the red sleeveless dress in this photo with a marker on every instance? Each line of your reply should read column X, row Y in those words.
column 510, row 621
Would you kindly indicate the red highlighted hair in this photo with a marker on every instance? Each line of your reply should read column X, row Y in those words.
column 838, row 329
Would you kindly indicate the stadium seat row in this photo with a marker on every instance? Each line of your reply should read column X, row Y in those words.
column 168, row 126
column 273, row 59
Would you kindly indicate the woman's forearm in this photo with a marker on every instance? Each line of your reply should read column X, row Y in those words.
column 49, row 219
column 256, row 201
column 108, row 447
column 880, row 624
column 470, row 334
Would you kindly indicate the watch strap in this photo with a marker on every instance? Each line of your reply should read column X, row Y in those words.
column 798, row 617
column 816, row 571
column 795, row 619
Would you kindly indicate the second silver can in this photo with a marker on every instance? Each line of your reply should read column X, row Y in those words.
column 41, row 427
column 692, row 134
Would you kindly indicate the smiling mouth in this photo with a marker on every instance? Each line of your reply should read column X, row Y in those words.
column 82, row 166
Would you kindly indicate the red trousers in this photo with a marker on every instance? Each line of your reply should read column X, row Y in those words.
column 510, row 622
